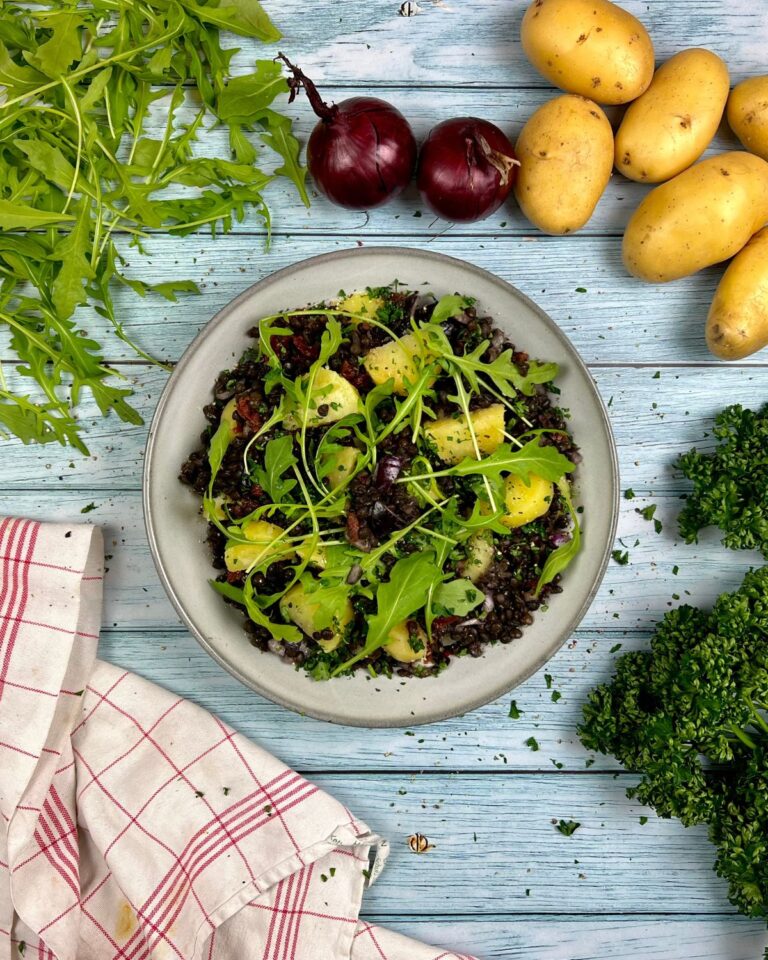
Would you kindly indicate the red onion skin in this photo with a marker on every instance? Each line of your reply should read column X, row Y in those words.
column 364, row 155
column 457, row 181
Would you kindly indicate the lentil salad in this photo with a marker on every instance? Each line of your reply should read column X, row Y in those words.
column 386, row 481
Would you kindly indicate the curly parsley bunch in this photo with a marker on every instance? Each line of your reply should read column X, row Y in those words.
column 730, row 485
column 689, row 715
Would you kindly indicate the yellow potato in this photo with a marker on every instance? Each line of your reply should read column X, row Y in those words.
column 394, row 360
column 333, row 398
column 591, row 47
column 703, row 216
column 263, row 545
column 453, row 439
column 526, row 503
column 300, row 607
column 748, row 114
column 399, row 646
column 737, row 323
column 673, row 122
column 566, row 158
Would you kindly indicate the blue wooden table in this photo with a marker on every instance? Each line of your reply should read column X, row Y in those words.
column 501, row 881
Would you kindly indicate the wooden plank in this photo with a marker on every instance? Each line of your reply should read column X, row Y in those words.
column 656, row 413
column 618, row 319
column 629, row 598
column 518, row 861
column 485, row 740
column 547, row 937
column 475, row 43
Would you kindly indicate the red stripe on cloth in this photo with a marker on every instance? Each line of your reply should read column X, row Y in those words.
column 258, row 784
column 78, row 902
column 99, row 695
column 25, row 753
column 19, row 594
column 273, row 920
column 367, row 928
column 60, row 835
column 255, row 905
column 286, row 916
column 23, row 686
column 171, row 893
column 290, row 953
column 20, row 621
column 46, row 849
column 46, row 566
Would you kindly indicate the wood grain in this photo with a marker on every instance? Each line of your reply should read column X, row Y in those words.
column 476, row 43
column 617, row 320
column 547, row 937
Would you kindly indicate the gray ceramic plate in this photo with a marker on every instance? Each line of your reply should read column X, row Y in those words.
column 176, row 531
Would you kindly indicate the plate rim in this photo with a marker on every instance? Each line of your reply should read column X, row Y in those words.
column 210, row 327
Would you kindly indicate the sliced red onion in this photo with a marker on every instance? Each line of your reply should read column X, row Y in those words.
column 559, row 538
column 387, row 471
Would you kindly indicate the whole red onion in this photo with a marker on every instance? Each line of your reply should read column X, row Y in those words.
column 362, row 152
column 466, row 169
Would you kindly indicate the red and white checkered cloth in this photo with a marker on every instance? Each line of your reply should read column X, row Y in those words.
column 133, row 824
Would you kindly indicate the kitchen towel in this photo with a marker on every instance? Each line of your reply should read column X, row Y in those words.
column 136, row 825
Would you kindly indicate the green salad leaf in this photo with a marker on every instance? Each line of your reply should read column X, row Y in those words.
column 406, row 591
column 458, row 597
column 279, row 460
column 81, row 84
column 563, row 556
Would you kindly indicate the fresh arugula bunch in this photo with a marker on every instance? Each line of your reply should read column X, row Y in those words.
column 80, row 169
column 689, row 715
column 730, row 485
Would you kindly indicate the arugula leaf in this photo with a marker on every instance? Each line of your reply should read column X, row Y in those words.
column 280, row 631
column 246, row 97
column 217, row 448
column 560, row 558
column 278, row 460
column 79, row 85
column 546, row 462
column 450, row 306
column 68, row 290
column 229, row 590
column 246, row 17
column 18, row 216
column 406, row 591
column 283, row 142
column 458, row 597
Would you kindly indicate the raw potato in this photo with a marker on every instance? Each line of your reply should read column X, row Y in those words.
column 330, row 390
column 395, row 361
column 526, row 503
column 453, row 440
column 748, row 114
column 737, row 323
column 703, row 216
column 566, row 158
column 298, row 606
column 591, row 47
column 241, row 556
column 669, row 127
column 399, row 646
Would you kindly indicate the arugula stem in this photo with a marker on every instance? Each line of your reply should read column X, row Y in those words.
column 464, row 404
column 79, row 153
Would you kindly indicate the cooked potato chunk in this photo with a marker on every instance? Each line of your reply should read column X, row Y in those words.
column 346, row 461
column 400, row 648
column 394, row 360
column 261, row 534
column 332, row 398
column 526, row 503
column 453, row 439
column 298, row 606
column 361, row 303
column 480, row 554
